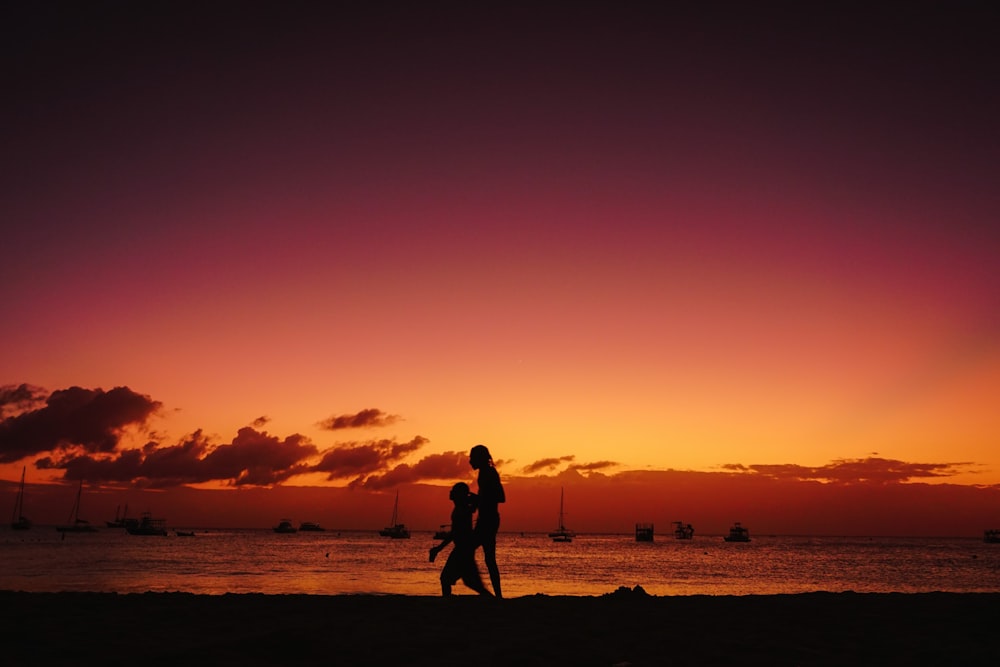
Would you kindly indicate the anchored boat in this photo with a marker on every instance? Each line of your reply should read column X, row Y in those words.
column 17, row 520
column 562, row 533
column 738, row 534
column 395, row 529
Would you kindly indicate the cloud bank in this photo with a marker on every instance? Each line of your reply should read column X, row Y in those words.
column 79, row 432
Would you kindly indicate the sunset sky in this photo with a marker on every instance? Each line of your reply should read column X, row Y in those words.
column 748, row 250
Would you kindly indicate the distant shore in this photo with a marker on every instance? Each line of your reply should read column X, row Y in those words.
column 625, row 627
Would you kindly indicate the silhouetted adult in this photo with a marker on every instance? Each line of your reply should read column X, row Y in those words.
column 488, row 520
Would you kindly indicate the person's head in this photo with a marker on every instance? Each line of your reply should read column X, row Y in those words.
column 459, row 492
column 480, row 457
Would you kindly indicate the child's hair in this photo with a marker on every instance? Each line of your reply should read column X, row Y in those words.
column 459, row 490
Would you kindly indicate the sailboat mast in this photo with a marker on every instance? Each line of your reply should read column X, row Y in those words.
column 74, row 515
column 19, row 504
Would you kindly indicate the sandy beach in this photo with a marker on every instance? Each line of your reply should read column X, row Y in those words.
column 625, row 627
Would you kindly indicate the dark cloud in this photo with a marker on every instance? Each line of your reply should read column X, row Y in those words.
column 15, row 399
column 546, row 464
column 260, row 422
column 121, row 469
column 446, row 466
column 368, row 418
column 401, row 474
column 449, row 465
column 253, row 458
column 595, row 465
column 358, row 460
column 260, row 459
column 90, row 419
column 853, row 471
column 165, row 466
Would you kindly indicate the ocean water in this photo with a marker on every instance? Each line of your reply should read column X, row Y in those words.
column 328, row 563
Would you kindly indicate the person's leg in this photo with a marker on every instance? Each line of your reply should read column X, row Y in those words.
column 475, row 582
column 448, row 573
column 490, row 557
column 470, row 575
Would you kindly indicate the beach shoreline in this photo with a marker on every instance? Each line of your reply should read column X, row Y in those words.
column 625, row 627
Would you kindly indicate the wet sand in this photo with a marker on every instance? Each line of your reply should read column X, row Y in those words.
column 621, row 628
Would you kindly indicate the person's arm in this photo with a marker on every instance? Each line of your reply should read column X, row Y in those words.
column 435, row 550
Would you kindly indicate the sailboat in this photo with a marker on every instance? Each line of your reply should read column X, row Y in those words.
column 122, row 521
column 76, row 524
column 562, row 533
column 395, row 530
column 17, row 520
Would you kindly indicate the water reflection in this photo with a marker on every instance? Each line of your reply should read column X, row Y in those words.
column 218, row 562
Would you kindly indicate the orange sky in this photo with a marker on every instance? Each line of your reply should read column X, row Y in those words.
column 723, row 242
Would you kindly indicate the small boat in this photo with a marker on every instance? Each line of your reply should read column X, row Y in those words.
column 992, row 536
column 184, row 533
column 285, row 526
column 443, row 532
column 643, row 532
column 683, row 531
column 17, row 520
column 147, row 525
column 562, row 533
column 122, row 521
column 737, row 534
column 75, row 523
column 311, row 527
column 395, row 529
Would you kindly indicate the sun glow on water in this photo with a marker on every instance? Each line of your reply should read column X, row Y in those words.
column 254, row 561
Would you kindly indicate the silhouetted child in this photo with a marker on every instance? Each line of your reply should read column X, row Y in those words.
column 461, row 563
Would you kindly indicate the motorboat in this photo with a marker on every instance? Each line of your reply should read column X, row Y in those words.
column 147, row 525
column 311, row 527
column 737, row 534
column 285, row 526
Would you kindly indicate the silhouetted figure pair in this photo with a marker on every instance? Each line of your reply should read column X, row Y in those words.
column 467, row 538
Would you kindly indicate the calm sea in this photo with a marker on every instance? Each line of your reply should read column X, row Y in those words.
column 259, row 561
